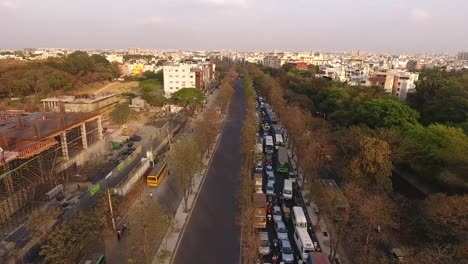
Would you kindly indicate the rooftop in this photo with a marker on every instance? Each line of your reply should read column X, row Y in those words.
column 85, row 99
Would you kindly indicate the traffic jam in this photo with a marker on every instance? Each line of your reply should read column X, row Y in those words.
column 286, row 232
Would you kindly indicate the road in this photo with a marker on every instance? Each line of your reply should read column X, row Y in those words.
column 212, row 233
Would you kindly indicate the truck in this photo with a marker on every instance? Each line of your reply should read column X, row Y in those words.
column 258, row 177
column 283, row 161
column 260, row 210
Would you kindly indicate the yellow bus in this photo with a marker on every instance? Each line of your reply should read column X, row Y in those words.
column 157, row 174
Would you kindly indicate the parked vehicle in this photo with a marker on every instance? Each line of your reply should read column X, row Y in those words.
column 303, row 242
column 286, row 251
column 277, row 215
column 264, row 247
column 258, row 182
column 292, row 176
column 281, row 231
column 288, row 189
column 258, row 168
column 260, row 210
column 270, row 189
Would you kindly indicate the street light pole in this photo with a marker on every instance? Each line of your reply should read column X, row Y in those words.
column 111, row 210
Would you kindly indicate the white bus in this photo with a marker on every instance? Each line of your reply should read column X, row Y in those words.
column 298, row 217
column 269, row 146
column 279, row 140
column 303, row 242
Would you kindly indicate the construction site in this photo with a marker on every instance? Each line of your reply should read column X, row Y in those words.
column 38, row 152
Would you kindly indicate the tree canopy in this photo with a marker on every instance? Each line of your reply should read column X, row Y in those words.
column 186, row 96
column 386, row 113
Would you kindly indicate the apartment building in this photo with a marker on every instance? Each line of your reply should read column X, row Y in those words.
column 397, row 83
column 272, row 62
column 462, row 56
column 187, row 75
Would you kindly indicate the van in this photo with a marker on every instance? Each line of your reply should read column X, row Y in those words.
column 288, row 190
column 298, row 217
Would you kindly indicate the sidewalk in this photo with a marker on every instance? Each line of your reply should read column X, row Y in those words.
column 116, row 251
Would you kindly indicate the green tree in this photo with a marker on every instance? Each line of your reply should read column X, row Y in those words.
column 188, row 96
column 78, row 63
column 121, row 113
column 151, row 91
column 75, row 237
column 439, row 99
column 385, row 113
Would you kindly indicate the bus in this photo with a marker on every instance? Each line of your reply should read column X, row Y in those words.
column 269, row 146
column 283, row 160
column 298, row 217
column 303, row 242
column 157, row 174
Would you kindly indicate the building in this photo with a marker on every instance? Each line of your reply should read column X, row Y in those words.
column 114, row 58
column 397, row 83
column 133, row 51
column 36, row 153
column 187, row 75
column 272, row 62
column 99, row 103
column 138, row 103
column 462, row 56
column 414, row 65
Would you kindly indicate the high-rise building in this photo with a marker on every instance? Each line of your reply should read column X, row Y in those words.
column 462, row 55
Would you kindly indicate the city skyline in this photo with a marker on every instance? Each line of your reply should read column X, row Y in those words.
column 394, row 27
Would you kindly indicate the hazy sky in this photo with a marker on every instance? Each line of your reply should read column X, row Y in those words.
column 329, row 25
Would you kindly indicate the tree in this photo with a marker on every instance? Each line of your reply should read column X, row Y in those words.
column 185, row 161
column 73, row 238
column 439, row 99
column 147, row 224
column 121, row 113
column 151, row 91
column 102, row 209
column 207, row 128
column 78, row 63
column 159, row 75
column 386, row 113
column 188, row 96
column 225, row 94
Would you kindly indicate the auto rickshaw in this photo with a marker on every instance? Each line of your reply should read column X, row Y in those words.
column 287, row 213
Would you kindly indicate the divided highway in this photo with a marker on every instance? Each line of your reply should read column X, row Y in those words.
column 212, row 234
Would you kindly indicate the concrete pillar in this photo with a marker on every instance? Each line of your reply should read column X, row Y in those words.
column 83, row 136
column 99, row 125
column 63, row 139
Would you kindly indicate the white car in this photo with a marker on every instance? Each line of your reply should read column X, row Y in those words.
column 281, row 230
column 264, row 248
column 270, row 189
column 259, row 168
column 277, row 214
column 286, row 251
column 269, row 168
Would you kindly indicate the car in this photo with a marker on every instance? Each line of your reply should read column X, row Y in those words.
column 269, row 168
column 259, row 168
column 270, row 189
column 281, row 230
column 271, row 176
column 277, row 214
column 286, row 251
column 264, row 248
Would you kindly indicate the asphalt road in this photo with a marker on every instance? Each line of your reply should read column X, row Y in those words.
column 212, row 234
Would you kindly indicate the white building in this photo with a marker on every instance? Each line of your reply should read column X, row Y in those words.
column 114, row 58
column 187, row 75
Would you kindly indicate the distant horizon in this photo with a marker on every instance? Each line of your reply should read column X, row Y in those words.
column 234, row 50
column 395, row 27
